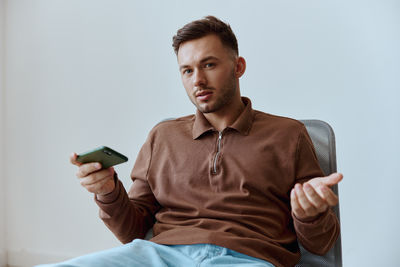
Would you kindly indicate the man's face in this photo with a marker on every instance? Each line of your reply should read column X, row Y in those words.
column 208, row 73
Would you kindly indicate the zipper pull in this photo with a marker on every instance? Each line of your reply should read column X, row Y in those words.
column 218, row 151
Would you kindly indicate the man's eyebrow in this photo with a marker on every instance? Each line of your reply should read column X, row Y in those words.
column 201, row 61
column 208, row 58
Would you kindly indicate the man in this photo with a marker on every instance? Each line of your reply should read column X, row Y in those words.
column 227, row 186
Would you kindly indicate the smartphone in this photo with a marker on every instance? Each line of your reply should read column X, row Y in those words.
column 105, row 155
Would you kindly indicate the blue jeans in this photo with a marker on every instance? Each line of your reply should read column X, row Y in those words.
column 146, row 253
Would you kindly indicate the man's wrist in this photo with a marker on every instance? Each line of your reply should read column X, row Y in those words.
column 310, row 219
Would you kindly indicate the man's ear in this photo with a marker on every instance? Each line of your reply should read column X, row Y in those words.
column 240, row 67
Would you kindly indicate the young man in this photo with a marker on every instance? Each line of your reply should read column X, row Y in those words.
column 227, row 186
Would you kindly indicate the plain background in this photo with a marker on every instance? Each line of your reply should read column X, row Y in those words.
column 79, row 74
column 2, row 111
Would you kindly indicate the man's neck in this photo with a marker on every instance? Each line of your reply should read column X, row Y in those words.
column 226, row 116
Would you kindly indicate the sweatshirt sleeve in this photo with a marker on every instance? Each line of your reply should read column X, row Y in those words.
column 319, row 235
column 130, row 215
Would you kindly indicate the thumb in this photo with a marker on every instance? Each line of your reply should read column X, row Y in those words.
column 72, row 158
column 332, row 179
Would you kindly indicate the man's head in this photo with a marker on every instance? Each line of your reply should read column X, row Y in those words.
column 209, row 64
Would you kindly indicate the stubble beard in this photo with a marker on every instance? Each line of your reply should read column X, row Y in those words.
column 228, row 92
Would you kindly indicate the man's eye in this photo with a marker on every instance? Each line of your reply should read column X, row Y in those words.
column 187, row 71
column 209, row 65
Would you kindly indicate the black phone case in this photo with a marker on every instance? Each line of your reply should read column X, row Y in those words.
column 106, row 156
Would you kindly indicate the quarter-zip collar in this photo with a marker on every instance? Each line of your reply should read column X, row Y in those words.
column 242, row 124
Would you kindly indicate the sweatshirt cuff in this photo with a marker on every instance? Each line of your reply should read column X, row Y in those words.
column 319, row 235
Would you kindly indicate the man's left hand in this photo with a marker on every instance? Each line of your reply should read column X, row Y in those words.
column 314, row 197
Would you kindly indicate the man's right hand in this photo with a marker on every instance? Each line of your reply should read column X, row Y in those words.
column 93, row 178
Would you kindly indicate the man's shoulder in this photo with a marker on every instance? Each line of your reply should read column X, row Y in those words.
column 171, row 125
column 276, row 121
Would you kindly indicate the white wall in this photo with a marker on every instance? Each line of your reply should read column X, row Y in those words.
column 3, row 259
column 87, row 73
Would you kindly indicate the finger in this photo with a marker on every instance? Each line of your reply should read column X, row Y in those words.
column 99, row 187
column 329, row 196
column 102, row 188
column 88, row 168
column 332, row 179
column 98, row 177
column 305, row 204
column 72, row 158
column 296, row 208
column 316, row 200
column 325, row 192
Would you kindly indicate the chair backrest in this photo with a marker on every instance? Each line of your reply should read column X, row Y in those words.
column 323, row 139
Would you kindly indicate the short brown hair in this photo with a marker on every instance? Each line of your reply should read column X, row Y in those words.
column 200, row 28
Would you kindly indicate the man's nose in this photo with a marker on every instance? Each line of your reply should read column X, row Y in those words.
column 199, row 78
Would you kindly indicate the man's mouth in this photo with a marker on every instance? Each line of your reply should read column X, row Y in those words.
column 204, row 95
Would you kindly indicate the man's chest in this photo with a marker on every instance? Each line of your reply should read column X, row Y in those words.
column 226, row 163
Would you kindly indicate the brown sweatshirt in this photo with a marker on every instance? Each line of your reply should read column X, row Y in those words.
column 230, row 188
